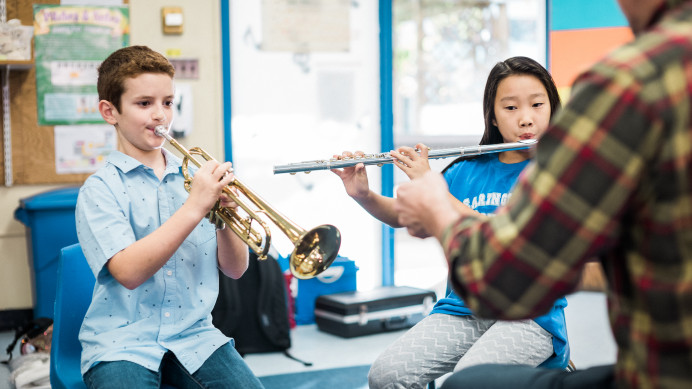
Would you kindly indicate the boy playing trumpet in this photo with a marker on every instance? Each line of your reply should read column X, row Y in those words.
column 154, row 256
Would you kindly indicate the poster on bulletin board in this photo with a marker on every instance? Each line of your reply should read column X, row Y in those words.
column 83, row 148
column 69, row 44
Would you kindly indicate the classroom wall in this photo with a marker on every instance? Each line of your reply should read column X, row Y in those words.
column 201, row 39
column 581, row 31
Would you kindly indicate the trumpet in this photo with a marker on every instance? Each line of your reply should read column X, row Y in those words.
column 385, row 158
column 314, row 250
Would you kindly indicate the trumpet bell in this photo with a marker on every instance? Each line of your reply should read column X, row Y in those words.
column 315, row 251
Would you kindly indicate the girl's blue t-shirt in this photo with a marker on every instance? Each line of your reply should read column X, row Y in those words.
column 483, row 184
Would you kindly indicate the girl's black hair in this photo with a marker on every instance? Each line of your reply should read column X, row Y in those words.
column 510, row 67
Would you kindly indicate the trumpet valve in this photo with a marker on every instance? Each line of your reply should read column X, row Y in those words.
column 214, row 217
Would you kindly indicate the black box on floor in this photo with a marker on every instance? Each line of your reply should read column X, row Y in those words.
column 388, row 308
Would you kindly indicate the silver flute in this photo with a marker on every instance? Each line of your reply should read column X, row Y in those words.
column 384, row 158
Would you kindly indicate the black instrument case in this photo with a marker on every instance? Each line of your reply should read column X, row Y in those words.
column 387, row 308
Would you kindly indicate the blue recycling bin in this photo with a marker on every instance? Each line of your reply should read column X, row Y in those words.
column 50, row 226
column 340, row 276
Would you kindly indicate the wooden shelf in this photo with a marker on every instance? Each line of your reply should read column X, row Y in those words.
column 24, row 64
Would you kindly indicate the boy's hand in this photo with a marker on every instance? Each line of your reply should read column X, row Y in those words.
column 355, row 178
column 412, row 163
column 225, row 199
column 208, row 183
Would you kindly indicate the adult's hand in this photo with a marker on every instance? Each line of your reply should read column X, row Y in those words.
column 424, row 206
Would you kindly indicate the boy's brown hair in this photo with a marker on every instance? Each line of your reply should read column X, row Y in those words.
column 128, row 62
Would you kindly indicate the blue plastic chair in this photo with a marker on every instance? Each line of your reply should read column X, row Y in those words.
column 75, row 284
column 72, row 298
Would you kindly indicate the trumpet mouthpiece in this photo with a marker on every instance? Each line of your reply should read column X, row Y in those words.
column 160, row 130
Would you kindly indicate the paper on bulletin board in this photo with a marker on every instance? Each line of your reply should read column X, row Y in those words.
column 306, row 26
column 70, row 41
column 83, row 148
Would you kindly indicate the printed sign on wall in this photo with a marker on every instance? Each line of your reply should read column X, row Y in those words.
column 69, row 44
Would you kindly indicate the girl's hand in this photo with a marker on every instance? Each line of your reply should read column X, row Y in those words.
column 412, row 163
column 354, row 178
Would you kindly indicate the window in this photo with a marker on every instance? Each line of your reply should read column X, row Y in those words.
column 292, row 105
column 443, row 52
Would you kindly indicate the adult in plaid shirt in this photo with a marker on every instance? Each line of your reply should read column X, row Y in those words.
column 612, row 179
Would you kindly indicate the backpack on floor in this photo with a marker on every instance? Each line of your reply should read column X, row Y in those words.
column 253, row 310
column 35, row 335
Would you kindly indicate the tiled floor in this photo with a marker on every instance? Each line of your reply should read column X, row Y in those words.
column 590, row 340
column 324, row 350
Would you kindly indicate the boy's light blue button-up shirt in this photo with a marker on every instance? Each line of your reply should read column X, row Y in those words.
column 122, row 202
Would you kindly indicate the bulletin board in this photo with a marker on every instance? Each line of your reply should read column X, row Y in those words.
column 33, row 145
column 70, row 42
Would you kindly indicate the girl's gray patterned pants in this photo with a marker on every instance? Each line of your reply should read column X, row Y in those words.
column 442, row 343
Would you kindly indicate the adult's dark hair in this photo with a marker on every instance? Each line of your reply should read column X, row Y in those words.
column 510, row 67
